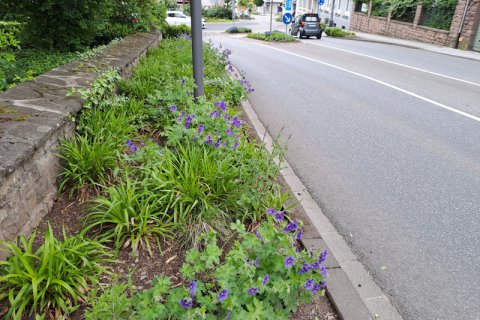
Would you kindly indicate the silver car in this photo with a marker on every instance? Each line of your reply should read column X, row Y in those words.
column 307, row 25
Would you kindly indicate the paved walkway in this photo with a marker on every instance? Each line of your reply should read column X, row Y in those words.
column 361, row 36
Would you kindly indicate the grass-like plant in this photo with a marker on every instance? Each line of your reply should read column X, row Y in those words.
column 197, row 186
column 337, row 32
column 235, row 29
column 86, row 162
column 52, row 278
column 274, row 36
column 130, row 215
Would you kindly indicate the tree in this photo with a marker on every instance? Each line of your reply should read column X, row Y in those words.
column 258, row 3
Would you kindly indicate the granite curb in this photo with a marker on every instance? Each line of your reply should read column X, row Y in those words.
column 350, row 288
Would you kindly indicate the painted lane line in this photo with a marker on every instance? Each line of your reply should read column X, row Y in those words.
column 396, row 63
column 438, row 104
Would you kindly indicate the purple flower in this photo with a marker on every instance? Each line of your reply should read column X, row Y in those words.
column 315, row 265
column 128, row 143
column 229, row 314
column 222, row 105
column 270, row 211
column 291, row 227
column 305, row 268
column 173, row 108
column 192, row 288
column 230, row 68
column 186, row 303
column 309, row 284
column 209, row 140
column 278, row 216
column 265, row 280
column 201, row 127
column 229, row 132
column 257, row 262
column 236, row 122
column 289, row 261
column 259, row 236
column 223, row 295
column 217, row 144
column 318, row 287
column 133, row 148
column 247, row 261
column 299, row 234
column 252, row 291
column 324, row 271
column 179, row 119
column 235, row 145
column 323, row 256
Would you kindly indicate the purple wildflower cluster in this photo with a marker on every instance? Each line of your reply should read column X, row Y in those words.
column 277, row 215
column 187, row 303
column 131, row 146
column 246, row 85
column 223, row 295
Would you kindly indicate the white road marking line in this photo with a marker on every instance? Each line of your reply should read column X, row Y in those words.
column 395, row 63
column 380, row 82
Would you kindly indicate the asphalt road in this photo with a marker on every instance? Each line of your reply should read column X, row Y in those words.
column 386, row 139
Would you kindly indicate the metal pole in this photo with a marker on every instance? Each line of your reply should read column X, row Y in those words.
column 197, row 51
column 330, row 19
column 457, row 39
column 233, row 10
column 271, row 14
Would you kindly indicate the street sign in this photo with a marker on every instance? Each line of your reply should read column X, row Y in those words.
column 321, row 2
column 288, row 5
column 287, row 18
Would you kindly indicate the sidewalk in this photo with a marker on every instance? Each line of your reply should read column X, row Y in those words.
column 361, row 36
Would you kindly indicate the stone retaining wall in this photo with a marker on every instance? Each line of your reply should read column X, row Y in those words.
column 34, row 117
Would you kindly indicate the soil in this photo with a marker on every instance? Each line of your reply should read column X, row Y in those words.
column 142, row 268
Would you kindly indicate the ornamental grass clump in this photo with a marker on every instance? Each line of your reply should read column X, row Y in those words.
column 52, row 279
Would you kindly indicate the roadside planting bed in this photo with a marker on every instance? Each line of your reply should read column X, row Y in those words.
column 169, row 209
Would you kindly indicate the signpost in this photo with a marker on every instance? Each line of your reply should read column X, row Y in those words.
column 197, row 51
column 321, row 2
column 287, row 18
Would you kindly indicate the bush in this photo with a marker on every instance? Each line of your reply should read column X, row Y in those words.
column 264, row 276
column 169, row 31
column 8, row 41
column 337, row 32
column 238, row 30
column 218, row 12
column 72, row 25
column 274, row 36
column 56, row 276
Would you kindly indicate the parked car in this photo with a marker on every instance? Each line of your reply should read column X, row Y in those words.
column 175, row 18
column 307, row 25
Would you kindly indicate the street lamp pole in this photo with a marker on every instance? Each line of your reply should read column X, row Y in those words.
column 197, row 51
column 271, row 14
column 330, row 19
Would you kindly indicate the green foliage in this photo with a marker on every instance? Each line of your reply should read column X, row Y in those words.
column 274, row 36
column 112, row 304
column 55, row 276
column 238, row 30
column 255, row 280
column 8, row 41
column 218, row 12
column 130, row 214
column 258, row 3
column 67, row 25
column 169, row 31
column 337, row 32
column 438, row 14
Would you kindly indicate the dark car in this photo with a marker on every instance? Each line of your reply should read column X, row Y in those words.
column 307, row 25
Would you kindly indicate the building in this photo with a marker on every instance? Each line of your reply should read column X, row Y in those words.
column 342, row 10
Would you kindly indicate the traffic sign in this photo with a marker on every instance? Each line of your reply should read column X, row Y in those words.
column 321, row 2
column 288, row 5
column 287, row 18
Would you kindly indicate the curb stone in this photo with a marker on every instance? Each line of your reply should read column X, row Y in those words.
column 351, row 289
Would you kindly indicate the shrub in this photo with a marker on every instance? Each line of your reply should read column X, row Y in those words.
column 8, row 41
column 337, row 32
column 169, row 31
column 218, row 12
column 238, row 30
column 264, row 276
column 274, row 36
column 55, row 276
